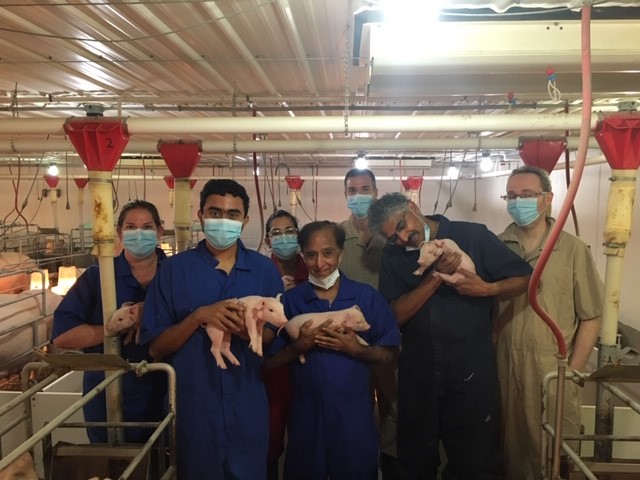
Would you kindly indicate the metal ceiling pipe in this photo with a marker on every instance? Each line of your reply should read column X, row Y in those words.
column 159, row 174
column 335, row 124
column 21, row 146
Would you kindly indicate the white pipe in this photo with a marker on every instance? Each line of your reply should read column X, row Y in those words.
column 20, row 146
column 100, row 185
column 182, row 214
column 318, row 124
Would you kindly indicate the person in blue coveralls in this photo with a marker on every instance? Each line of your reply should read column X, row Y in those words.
column 331, row 430
column 222, row 415
column 78, row 322
column 447, row 379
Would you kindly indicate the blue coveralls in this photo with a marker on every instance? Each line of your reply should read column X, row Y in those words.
column 222, row 415
column 447, row 380
column 143, row 398
column 331, row 428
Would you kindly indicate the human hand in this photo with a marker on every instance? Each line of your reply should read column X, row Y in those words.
column 226, row 315
column 288, row 281
column 308, row 333
column 448, row 262
column 470, row 284
column 339, row 339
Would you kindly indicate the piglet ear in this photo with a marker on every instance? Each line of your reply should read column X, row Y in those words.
column 133, row 309
column 279, row 297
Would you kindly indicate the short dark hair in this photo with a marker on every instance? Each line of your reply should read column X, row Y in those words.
column 545, row 182
column 383, row 208
column 224, row 187
column 360, row 172
column 139, row 204
column 310, row 228
column 279, row 214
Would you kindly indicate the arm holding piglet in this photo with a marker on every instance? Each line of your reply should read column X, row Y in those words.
column 305, row 340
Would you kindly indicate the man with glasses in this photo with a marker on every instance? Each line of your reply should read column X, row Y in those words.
column 361, row 262
column 571, row 292
column 447, row 385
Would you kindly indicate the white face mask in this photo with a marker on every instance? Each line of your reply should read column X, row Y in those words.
column 327, row 282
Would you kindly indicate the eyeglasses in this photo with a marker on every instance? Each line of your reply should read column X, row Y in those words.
column 276, row 232
column 400, row 226
column 513, row 196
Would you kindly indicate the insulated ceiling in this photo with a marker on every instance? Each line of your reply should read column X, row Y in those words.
column 299, row 58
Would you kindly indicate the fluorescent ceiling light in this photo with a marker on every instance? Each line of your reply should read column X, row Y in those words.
column 53, row 170
column 452, row 172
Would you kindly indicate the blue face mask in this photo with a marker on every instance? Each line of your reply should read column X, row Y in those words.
column 139, row 243
column 222, row 233
column 427, row 233
column 285, row 247
column 359, row 204
column 524, row 211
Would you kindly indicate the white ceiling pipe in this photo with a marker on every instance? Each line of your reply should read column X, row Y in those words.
column 20, row 146
column 597, row 160
column 335, row 124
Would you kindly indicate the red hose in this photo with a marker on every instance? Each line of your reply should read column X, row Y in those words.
column 583, row 145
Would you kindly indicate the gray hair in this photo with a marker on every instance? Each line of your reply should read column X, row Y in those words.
column 383, row 208
column 545, row 182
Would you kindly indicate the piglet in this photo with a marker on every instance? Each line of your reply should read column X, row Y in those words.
column 430, row 251
column 351, row 317
column 258, row 311
column 124, row 318
column 21, row 469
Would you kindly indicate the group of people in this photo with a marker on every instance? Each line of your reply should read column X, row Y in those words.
column 452, row 362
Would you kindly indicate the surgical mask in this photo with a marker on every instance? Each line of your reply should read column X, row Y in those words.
column 524, row 211
column 222, row 233
column 285, row 247
column 140, row 243
column 427, row 233
column 359, row 204
column 325, row 283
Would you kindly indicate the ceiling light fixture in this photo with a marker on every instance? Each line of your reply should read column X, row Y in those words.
column 486, row 164
column 53, row 170
column 452, row 172
column 361, row 162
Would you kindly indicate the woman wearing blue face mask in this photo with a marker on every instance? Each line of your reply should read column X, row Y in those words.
column 78, row 321
column 281, row 235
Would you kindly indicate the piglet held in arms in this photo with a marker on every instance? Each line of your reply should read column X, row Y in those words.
column 258, row 311
column 124, row 318
column 351, row 317
column 430, row 251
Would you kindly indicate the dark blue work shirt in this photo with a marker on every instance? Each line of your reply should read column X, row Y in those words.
column 331, row 428
column 222, row 417
column 450, row 323
column 142, row 397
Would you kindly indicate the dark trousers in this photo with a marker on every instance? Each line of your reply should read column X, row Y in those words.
column 456, row 405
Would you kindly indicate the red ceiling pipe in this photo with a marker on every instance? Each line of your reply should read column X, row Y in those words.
column 619, row 138
column 81, row 182
column 295, row 184
column 618, row 135
column 182, row 159
column 52, row 180
column 541, row 152
column 294, row 181
column 100, row 142
column 170, row 181
column 412, row 183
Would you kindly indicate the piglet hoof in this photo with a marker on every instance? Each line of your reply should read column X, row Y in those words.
column 419, row 271
column 302, row 359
